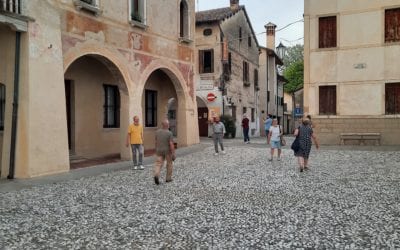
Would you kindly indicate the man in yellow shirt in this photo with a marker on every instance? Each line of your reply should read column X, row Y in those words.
column 135, row 139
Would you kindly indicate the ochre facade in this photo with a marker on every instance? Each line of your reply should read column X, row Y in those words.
column 70, row 53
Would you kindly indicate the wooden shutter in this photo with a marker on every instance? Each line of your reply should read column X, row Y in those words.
column 392, row 98
column 201, row 61
column 392, row 25
column 212, row 60
column 327, row 100
column 327, row 32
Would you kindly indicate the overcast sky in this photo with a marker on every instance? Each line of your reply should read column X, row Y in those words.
column 279, row 12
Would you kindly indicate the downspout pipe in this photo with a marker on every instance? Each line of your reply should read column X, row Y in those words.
column 267, row 82
column 11, row 173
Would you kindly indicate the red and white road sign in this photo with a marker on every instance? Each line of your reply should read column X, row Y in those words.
column 211, row 97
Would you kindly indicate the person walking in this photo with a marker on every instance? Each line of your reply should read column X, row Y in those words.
column 304, row 134
column 274, row 138
column 165, row 151
column 267, row 124
column 218, row 128
column 135, row 140
column 245, row 126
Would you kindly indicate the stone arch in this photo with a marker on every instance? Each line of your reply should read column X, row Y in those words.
column 110, row 59
column 184, row 100
column 118, row 74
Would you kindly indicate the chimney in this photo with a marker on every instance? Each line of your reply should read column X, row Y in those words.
column 234, row 5
column 270, row 27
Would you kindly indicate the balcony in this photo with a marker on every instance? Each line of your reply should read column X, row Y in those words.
column 11, row 6
column 11, row 15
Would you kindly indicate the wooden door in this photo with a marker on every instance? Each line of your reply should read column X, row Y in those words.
column 203, row 121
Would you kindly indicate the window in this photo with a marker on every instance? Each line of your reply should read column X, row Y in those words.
column 392, row 25
column 244, row 110
column 246, row 73
column 249, row 41
column 91, row 2
column 184, row 19
column 207, row 32
column 138, row 11
column 327, row 32
column 88, row 5
column 282, row 101
column 230, row 61
column 240, row 34
column 151, row 108
column 253, row 115
column 327, row 100
column 268, row 94
column 255, row 78
column 2, row 105
column 111, row 106
column 206, row 61
column 392, row 98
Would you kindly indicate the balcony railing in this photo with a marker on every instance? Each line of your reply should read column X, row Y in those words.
column 13, row 6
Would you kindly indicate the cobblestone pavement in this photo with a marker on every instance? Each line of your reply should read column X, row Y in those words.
column 348, row 200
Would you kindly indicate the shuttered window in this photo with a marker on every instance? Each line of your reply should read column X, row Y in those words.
column 392, row 98
column 151, row 108
column 206, row 61
column 111, row 106
column 246, row 81
column 327, row 100
column 392, row 25
column 327, row 32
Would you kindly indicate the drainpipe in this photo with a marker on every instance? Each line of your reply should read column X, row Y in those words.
column 15, row 105
column 267, row 81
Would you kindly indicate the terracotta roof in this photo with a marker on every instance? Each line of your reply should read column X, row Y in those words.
column 208, row 16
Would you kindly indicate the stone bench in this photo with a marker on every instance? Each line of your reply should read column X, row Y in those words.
column 361, row 137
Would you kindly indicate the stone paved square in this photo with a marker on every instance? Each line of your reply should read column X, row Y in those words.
column 350, row 199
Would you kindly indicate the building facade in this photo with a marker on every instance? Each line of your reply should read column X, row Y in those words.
column 351, row 70
column 227, row 68
column 84, row 69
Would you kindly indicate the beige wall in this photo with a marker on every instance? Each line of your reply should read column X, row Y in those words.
column 7, row 55
column 360, row 65
column 90, row 138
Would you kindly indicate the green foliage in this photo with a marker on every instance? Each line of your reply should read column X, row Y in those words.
column 293, row 54
column 295, row 76
column 293, row 69
column 230, row 126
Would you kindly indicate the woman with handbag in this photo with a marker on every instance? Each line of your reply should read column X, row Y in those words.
column 304, row 133
column 274, row 137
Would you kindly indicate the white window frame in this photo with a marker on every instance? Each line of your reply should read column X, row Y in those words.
column 95, row 8
column 143, row 9
column 187, row 37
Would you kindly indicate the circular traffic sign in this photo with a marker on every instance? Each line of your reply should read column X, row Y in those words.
column 211, row 97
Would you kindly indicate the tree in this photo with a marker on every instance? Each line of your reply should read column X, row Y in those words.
column 293, row 68
column 293, row 54
column 294, row 73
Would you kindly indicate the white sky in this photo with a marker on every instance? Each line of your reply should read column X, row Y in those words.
column 279, row 12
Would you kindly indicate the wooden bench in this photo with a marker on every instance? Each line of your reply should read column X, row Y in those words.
column 361, row 137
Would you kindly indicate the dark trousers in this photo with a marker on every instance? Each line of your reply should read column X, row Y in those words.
column 246, row 134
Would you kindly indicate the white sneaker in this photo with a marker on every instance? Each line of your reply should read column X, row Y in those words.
column 223, row 152
column 141, row 167
column 279, row 159
column 215, row 154
column 270, row 159
column 135, row 168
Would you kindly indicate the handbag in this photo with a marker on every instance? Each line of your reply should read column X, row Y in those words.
column 296, row 143
column 283, row 141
